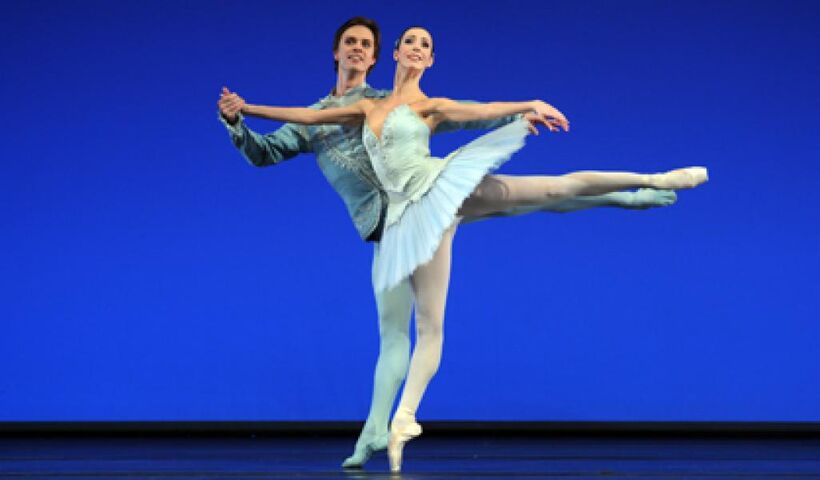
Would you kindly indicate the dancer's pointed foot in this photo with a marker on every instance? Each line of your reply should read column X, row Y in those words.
column 402, row 430
column 649, row 198
column 681, row 178
column 364, row 449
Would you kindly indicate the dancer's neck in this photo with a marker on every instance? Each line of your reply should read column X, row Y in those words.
column 347, row 81
column 406, row 85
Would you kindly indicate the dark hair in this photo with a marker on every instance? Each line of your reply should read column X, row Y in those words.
column 398, row 40
column 365, row 22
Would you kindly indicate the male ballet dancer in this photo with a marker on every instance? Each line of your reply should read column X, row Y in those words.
column 342, row 158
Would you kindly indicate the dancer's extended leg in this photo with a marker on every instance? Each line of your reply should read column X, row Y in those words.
column 394, row 308
column 640, row 200
column 501, row 192
column 430, row 282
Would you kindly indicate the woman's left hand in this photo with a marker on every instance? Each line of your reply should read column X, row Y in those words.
column 551, row 116
column 535, row 119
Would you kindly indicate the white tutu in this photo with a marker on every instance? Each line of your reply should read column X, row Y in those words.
column 412, row 240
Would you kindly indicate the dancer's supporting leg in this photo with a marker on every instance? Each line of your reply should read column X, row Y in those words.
column 501, row 192
column 430, row 282
column 394, row 308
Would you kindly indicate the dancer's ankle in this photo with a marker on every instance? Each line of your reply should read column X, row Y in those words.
column 680, row 178
column 404, row 415
column 371, row 434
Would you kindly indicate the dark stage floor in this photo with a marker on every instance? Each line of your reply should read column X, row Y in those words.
column 428, row 457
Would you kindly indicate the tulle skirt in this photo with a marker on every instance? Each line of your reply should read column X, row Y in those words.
column 413, row 238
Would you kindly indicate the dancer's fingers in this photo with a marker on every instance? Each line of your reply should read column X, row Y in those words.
column 234, row 101
column 229, row 96
column 560, row 117
column 550, row 123
column 565, row 124
column 230, row 108
column 558, row 123
column 557, row 113
column 536, row 118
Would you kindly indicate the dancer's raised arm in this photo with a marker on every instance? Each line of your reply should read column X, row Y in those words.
column 445, row 109
column 353, row 113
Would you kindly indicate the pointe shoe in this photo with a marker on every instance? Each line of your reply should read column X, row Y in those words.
column 364, row 450
column 400, row 433
column 646, row 198
column 681, row 178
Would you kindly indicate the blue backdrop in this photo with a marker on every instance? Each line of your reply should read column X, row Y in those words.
column 149, row 273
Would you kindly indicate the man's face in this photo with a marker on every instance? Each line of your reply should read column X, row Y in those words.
column 355, row 50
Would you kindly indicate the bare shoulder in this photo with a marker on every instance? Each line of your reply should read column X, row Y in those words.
column 434, row 104
column 442, row 103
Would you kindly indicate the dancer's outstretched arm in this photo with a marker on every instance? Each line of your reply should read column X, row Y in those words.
column 450, row 126
column 261, row 150
column 444, row 109
column 353, row 113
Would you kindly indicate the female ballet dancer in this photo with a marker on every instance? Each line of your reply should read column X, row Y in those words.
column 428, row 196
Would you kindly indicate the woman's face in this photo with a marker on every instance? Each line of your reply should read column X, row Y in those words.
column 415, row 49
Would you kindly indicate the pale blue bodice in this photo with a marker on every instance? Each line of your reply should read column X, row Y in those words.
column 401, row 159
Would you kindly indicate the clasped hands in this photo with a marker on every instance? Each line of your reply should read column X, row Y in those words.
column 230, row 105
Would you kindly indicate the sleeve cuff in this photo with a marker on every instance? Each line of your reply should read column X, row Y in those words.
column 236, row 128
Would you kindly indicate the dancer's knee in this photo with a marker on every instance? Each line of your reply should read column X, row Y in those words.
column 394, row 361
column 394, row 312
column 429, row 330
column 395, row 342
column 562, row 188
column 393, row 320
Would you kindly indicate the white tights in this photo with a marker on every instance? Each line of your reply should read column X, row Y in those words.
column 429, row 284
column 500, row 192
column 496, row 195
